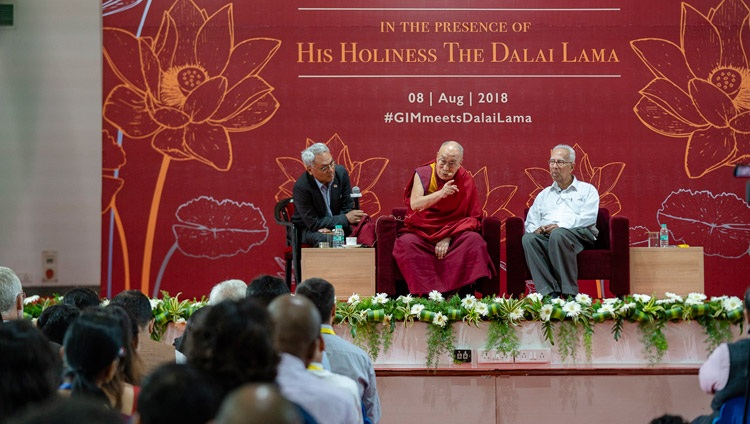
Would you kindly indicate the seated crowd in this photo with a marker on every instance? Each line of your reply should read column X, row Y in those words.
column 255, row 354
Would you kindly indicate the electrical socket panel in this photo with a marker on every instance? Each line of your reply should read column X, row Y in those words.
column 493, row 356
column 534, row 356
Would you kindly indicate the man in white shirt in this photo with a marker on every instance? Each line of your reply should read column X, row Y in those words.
column 11, row 295
column 559, row 225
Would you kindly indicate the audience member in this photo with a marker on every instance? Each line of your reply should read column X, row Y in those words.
column 93, row 348
column 440, row 248
column 296, row 337
column 668, row 419
column 55, row 320
column 11, row 295
column 81, row 298
column 260, row 403
column 337, row 380
column 725, row 372
column 265, row 288
column 29, row 368
column 227, row 290
column 322, row 197
column 177, row 393
column 559, row 225
column 180, row 343
column 342, row 357
column 130, row 369
column 151, row 352
column 233, row 345
column 65, row 410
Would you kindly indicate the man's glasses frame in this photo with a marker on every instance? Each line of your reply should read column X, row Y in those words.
column 558, row 162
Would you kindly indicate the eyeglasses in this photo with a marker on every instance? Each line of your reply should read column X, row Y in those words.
column 325, row 168
column 449, row 164
column 558, row 162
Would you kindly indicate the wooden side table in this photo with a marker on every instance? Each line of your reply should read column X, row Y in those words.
column 350, row 270
column 657, row 270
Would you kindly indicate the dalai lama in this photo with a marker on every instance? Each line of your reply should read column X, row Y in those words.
column 440, row 248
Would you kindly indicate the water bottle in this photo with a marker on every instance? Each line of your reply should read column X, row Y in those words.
column 663, row 236
column 338, row 236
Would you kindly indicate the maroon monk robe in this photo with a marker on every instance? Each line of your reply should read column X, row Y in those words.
column 456, row 216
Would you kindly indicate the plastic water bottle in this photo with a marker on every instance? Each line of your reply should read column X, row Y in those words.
column 338, row 236
column 663, row 236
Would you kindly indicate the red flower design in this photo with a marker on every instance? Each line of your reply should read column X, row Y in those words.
column 191, row 85
column 720, row 223
column 213, row 229
column 701, row 88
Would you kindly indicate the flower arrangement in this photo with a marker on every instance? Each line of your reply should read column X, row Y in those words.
column 565, row 323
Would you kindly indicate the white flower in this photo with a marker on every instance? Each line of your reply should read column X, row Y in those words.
column 469, row 302
column 673, row 296
column 31, row 299
column 695, row 298
column 180, row 320
column 436, row 296
column 497, row 299
column 626, row 307
column 353, row 299
column 608, row 307
column 515, row 314
column 545, row 312
column 557, row 301
column 718, row 298
column 155, row 303
column 583, row 299
column 610, row 301
column 572, row 309
column 535, row 297
column 440, row 320
column 731, row 303
column 380, row 298
column 482, row 309
column 405, row 299
column 665, row 301
column 416, row 309
column 643, row 298
column 104, row 302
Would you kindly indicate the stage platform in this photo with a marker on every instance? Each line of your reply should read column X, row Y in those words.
column 619, row 384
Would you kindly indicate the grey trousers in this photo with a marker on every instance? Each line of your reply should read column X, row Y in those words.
column 552, row 258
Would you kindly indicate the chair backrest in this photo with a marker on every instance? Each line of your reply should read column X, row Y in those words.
column 602, row 224
column 282, row 213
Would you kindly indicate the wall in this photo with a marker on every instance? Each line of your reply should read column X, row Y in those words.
column 50, row 140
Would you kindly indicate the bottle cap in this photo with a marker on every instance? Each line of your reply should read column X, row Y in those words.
column 663, row 225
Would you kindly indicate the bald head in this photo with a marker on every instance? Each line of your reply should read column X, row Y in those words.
column 296, row 323
column 257, row 404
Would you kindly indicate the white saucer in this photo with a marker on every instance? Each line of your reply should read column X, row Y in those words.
column 350, row 246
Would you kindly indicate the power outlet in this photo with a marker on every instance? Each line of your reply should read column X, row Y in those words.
column 462, row 355
column 534, row 356
column 493, row 356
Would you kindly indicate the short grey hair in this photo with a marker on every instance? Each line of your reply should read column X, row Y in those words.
column 308, row 155
column 571, row 151
column 227, row 290
column 455, row 144
column 10, row 288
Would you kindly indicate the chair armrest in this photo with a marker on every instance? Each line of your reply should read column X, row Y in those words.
column 491, row 227
column 515, row 261
column 619, row 236
column 386, row 231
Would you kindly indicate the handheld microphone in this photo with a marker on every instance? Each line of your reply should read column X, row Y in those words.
column 356, row 194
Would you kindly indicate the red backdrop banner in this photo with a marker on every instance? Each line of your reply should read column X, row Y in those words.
column 208, row 103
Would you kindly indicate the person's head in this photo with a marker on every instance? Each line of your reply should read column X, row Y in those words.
column 29, row 367
column 668, row 419
column 227, row 290
column 55, row 320
column 448, row 160
column 138, row 307
column 319, row 162
column 195, row 320
column 130, row 369
column 265, row 288
column 233, row 344
column 747, row 305
column 322, row 294
column 70, row 410
column 81, row 298
column 11, row 294
column 258, row 404
column 562, row 161
column 177, row 393
column 297, row 326
column 93, row 347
